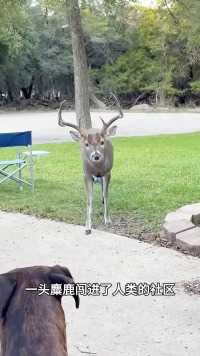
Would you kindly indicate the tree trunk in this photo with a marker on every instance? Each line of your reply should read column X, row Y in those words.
column 81, row 82
column 162, row 97
column 30, row 89
column 27, row 92
column 9, row 90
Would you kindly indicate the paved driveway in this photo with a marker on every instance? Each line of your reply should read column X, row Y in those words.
column 45, row 128
column 113, row 325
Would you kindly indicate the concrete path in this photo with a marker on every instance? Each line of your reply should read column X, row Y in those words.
column 45, row 128
column 112, row 325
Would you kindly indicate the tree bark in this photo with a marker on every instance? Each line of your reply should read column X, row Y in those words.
column 81, row 81
column 9, row 90
column 27, row 92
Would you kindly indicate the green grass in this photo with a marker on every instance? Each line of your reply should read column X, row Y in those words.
column 151, row 176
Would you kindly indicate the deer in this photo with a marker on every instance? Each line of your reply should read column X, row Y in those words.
column 97, row 156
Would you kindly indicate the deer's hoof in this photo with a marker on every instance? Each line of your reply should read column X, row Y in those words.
column 88, row 231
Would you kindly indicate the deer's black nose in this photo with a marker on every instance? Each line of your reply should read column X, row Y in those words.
column 96, row 158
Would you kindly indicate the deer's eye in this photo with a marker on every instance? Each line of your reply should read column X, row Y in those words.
column 102, row 143
column 86, row 144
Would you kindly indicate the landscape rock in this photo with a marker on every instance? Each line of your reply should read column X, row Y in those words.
column 181, row 228
column 175, row 227
column 192, row 209
column 178, row 216
column 189, row 240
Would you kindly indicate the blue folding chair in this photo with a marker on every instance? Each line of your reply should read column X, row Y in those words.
column 12, row 169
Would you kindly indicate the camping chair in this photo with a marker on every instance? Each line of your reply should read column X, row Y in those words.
column 12, row 169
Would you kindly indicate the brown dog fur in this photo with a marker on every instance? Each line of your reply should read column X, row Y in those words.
column 33, row 325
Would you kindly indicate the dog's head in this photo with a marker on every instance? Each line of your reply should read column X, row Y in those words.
column 19, row 279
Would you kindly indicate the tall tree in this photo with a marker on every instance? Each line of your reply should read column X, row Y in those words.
column 81, row 80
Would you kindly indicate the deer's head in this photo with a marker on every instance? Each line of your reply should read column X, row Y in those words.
column 93, row 142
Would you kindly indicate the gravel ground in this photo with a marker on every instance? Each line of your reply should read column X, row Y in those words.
column 44, row 125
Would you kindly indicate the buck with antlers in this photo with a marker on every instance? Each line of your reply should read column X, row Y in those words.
column 97, row 155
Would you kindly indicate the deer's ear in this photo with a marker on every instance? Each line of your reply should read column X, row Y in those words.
column 75, row 135
column 112, row 131
column 7, row 287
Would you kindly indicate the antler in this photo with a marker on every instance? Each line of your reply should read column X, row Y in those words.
column 119, row 116
column 64, row 123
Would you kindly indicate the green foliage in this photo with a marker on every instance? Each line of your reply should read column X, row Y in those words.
column 134, row 69
column 43, row 56
column 163, row 56
column 12, row 18
column 195, row 86
column 147, row 66
column 131, row 49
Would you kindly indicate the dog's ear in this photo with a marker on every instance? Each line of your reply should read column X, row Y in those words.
column 62, row 275
column 7, row 288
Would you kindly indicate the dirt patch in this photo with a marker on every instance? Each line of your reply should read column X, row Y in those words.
column 132, row 228
column 129, row 227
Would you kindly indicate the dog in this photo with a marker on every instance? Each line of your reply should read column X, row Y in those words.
column 33, row 324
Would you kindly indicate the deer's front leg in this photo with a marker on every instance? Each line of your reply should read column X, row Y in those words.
column 106, row 181
column 89, row 193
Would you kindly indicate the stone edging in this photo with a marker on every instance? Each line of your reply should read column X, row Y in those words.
column 182, row 228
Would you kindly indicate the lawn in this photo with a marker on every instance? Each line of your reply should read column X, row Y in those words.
column 151, row 176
